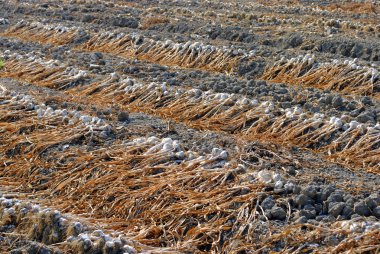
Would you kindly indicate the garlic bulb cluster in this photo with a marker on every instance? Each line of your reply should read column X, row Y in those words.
column 346, row 24
column 267, row 176
column 97, row 241
column 33, row 60
column 166, row 146
column 94, row 125
column 58, row 28
column 4, row 21
column 359, row 225
column 51, row 225
column 154, row 145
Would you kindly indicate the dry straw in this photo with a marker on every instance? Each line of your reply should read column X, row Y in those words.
column 38, row 32
column 345, row 77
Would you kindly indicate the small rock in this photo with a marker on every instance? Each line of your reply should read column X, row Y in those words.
column 291, row 171
column 376, row 212
column 320, row 217
column 355, row 112
column 326, row 192
column 123, row 116
column 268, row 203
column 280, row 191
column 335, row 197
column 370, row 203
column 296, row 189
column 366, row 100
column 329, row 99
column 365, row 117
column 347, row 212
column 96, row 56
column 337, row 102
column 310, row 191
column 286, row 104
column 375, row 197
column 361, row 208
column 351, row 105
column 328, row 218
column 294, row 41
column 309, row 214
column 331, row 240
column 278, row 213
column 355, row 215
column 335, row 209
column 301, row 200
column 125, row 22
column 301, row 220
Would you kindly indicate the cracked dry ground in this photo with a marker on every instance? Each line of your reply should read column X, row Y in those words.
column 189, row 126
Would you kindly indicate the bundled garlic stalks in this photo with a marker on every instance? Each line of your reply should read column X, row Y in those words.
column 24, row 105
column 157, row 150
column 231, row 113
column 51, row 227
column 236, row 114
column 346, row 76
column 49, row 73
column 188, row 55
column 38, row 32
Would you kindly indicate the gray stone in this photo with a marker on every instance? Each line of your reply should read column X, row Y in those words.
column 286, row 104
column 331, row 240
column 361, row 208
column 329, row 99
column 294, row 40
column 268, row 203
column 125, row 22
column 291, row 171
column 309, row 214
column 96, row 56
column 365, row 117
column 309, row 207
column 301, row 220
column 318, row 208
column 370, row 203
column 355, row 113
column 355, row 215
column 366, row 100
column 310, row 191
column 351, row 105
column 261, row 83
column 282, row 91
column 337, row 102
column 328, row 218
column 376, row 212
column 326, row 192
column 375, row 197
column 320, row 217
column 123, row 116
column 296, row 189
column 336, row 209
column 335, row 197
column 347, row 212
column 350, row 202
column 278, row 213
column 301, row 200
